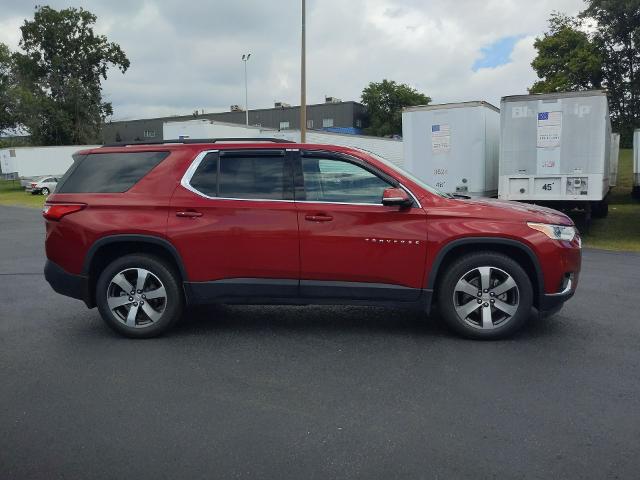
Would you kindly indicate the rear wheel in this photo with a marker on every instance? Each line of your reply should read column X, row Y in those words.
column 139, row 296
column 45, row 191
column 485, row 295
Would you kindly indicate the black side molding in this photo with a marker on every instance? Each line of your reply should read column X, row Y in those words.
column 276, row 291
column 484, row 241
column 236, row 289
column 358, row 291
column 133, row 238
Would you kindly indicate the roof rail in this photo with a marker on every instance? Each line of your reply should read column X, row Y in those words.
column 201, row 140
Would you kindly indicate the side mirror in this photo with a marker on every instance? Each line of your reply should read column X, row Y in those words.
column 396, row 197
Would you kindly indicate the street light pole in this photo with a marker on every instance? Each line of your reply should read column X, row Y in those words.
column 303, row 80
column 245, row 59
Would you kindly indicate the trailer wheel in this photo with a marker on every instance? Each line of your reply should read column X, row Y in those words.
column 600, row 209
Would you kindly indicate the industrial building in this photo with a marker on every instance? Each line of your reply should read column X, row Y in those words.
column 334, row 115
column 389, row 148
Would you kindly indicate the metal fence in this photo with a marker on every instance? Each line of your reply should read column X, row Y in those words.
column 9, row 176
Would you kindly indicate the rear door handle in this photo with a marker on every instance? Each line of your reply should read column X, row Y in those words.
column 188, row 214
column 318, row 218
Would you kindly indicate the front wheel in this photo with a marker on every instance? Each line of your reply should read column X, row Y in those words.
column 485, row 295
column 139, row 296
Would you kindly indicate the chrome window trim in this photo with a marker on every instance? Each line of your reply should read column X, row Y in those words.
column 341, row 203
column 186, row 182
column 188, row 174
column 415, row 199
column 359, row 160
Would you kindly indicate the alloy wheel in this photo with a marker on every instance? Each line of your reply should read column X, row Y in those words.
column 136, row 297
column 486, row 297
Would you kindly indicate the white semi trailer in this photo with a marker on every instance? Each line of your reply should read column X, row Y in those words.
column 29, row 162
column 615, row 157
column 555, row 150
column 453, row 146
column 636, row 164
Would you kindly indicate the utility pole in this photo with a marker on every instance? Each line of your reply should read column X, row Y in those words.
column 303, row 80
column 245, row 59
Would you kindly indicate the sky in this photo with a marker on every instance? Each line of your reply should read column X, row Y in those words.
column 186, row 55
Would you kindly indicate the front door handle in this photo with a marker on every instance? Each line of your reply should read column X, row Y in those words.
column 318, row 218
column 188, row 214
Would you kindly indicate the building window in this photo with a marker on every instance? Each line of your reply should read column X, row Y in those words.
column 284, row 125
column 327, row 122
column 309, row 123
column 358, row 123
column 149, row 134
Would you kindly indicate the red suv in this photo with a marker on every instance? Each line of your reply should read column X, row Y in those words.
column 141, row 231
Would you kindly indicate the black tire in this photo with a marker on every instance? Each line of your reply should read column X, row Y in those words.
column 600, row 209
column 45, row 191
column 501, row 265
column 170, row 306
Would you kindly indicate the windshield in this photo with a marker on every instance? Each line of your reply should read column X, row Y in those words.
column 403, row 172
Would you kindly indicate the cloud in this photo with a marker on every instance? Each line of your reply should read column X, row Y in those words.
column 187, row 55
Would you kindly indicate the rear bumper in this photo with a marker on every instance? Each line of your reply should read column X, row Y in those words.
column 69, row 284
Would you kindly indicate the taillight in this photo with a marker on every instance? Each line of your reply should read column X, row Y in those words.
column 55, row 211
column 33, row 185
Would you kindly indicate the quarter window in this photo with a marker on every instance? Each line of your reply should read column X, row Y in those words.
column 332, row 180
column 109, row 172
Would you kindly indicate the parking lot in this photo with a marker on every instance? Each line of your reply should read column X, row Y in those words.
column 315, row 392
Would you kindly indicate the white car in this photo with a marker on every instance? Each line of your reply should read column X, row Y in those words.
column 44, row 185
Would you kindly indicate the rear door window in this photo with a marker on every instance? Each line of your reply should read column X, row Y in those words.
column 109, row 172
column 205, row 178
column 245, row 175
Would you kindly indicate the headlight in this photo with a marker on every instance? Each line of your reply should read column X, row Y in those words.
column 555, row 232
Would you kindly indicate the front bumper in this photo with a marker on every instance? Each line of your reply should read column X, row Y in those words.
column 69, row 284
column 552, row 302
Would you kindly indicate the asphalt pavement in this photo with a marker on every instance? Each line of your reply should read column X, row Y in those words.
column 315, row 392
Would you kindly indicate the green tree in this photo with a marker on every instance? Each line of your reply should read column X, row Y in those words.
column 618, row 36
column 60, row 76
column 385, row 101
column 7, row 91
column 567, row 58
column 604, row 55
